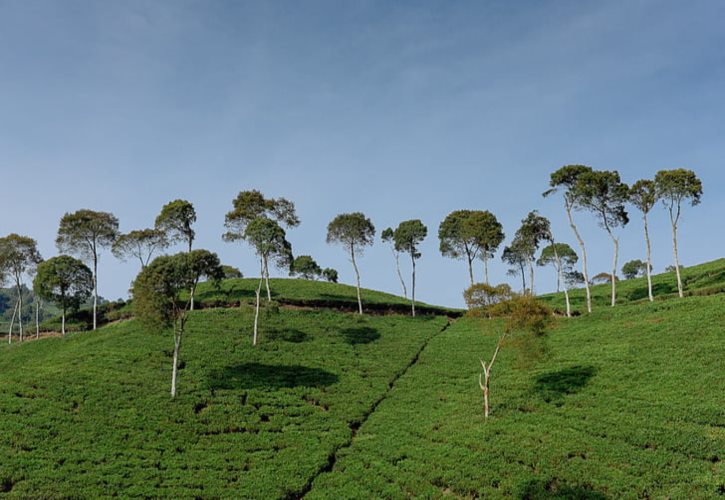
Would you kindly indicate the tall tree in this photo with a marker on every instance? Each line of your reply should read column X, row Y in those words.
column 158, row 289
column 20, row 257
column 563, row 258
column 470, row 234
column 65, row 281
column 643, row 195
column 306, row 267
column 140, row 244
column 565, row 179
column 250, row 205
column 407, row 236
column 354, row 232
column 269, row 242
column 175, row 221
column 387, row 237
column 604, row 194
column 85, row 233
column 533, row 230
column 675, row 187
column 515, row 256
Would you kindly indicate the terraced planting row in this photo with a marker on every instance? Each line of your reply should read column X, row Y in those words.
column 627, row 402
column 89, row 415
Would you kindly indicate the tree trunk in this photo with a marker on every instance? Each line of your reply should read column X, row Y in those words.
column 584, row 257
column 20, row 308
column 485, row 267
column 266, row 279
column 37, row 318
column 12, row 323
column 178, row 331
column 615, row 242
column 413, row 287
column 95, row 290
column 559, row 278
column 677, row 257
column 531, row 277
column 62, row 323
column 357, row 276
column 400, row 276
column 258, row 293
column 523, row 279
column 649, row 259
column 470, row 266
column 485, row 388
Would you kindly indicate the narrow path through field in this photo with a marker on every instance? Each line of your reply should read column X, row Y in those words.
column 354, row 426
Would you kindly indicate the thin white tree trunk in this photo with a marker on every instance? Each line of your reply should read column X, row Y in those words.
column 615, row 242
column 357, row 277
column 258, row 293
column 400, row 276
column 531, row 277
column 177, row 346
column 413, row 287
column 485, row 267
column 673, row 220
column 62, row 322
column 20, row 309
column 560, row 278
column 584, row 256
column 470, row 266
column 95, row 290
column 484, row 379
column 266, row 279
column 12, row 323
column 649, row 259
column 37, row 318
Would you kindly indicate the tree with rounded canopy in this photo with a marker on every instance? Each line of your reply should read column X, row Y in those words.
column 675, row 187
column 270, row 243
column 85, row 233
column 470, row 234
column 533, row 230
column 563, row 258
column 330, row 275
column 19, row 256
column 175, row 221
column 406, row 237
column 64, row 281
column 250, row 205
column 565, row 179
column 231, row 272
column 604, row 194
column 354, row 232
column 387, row 237
column 515, row 256
column 157, row 293
column 643, row 195
column 140, row 244
column 306, row 267
column 634, row 268
column 480, row 297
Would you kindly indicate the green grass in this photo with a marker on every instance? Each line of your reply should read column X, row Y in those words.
column 89, row 415
column 627, row 403
column 703, row 279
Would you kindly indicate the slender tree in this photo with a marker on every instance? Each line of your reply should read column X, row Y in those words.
column 643, row 195
column 675, row 187
column 387, row 237
column 604, row 194
column 565, row 179
column 20, row 257
column 140, row 244
column 250, row 205
column 269, row 242
column 175, row 221
column 354, row 232
column 563, row 258
column 533, row 230
column 407, row 236
column 515, row 256
column 64, row 281
column 158, row 289
column 85, row 233
column 470, row 234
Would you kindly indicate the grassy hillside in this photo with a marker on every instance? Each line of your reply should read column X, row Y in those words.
column 627, row 403
column 624, row 402
column 703, row 279
column 90, row 414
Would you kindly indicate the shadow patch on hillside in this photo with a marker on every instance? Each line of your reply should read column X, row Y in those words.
column 657, row 289
column 261, row 376
column 360, row 335
column 288, row 335
column 538, row 489
column 555, row 385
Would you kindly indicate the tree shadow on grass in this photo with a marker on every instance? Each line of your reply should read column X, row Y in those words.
column 360, row 335
column 538, row 489
column 657, row 289
column 261, row 376
column 288, row 335
column 555, row 385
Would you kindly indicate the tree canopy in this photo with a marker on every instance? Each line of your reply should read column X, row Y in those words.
column 176, row 220
column 306, row 267
column 84, row 232
column 64, row 281
column 351, row 230
column 140, row 244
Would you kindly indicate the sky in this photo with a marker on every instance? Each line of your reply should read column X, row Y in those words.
column 400, row 110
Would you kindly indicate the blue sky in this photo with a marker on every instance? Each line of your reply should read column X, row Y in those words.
column 397, row 109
